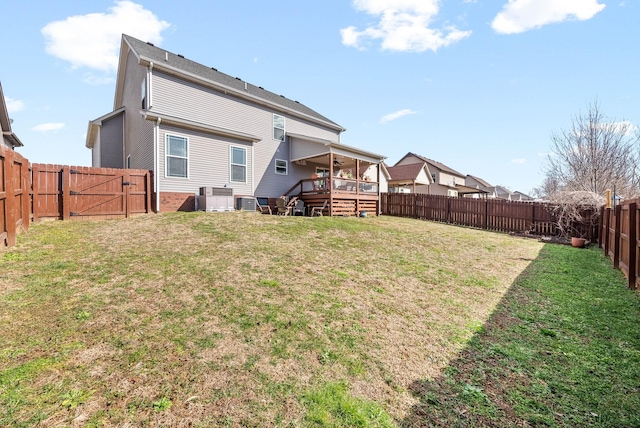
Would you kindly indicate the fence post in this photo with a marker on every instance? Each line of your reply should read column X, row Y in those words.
column 66, row 194
column 26, row 194
column 616, row 240
column 633, row 245
column 607, row 231
column 10, row 201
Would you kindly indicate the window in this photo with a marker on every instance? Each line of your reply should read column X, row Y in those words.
column 322, row 172
column 143, row 93
column 278, row 127
column 281, row 167
column 177, row 156
column 433, row 177
column 238, row 164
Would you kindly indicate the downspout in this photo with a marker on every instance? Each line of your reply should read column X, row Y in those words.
column 156, row 156
column 253, row 169
column 149, row 86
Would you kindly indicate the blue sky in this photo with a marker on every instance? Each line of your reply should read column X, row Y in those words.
column 478, row 85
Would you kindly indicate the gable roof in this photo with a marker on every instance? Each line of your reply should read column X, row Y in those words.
column 406, row 172
column 480, row 180
column 437, row 165
column 176, row 64
column 5, row 123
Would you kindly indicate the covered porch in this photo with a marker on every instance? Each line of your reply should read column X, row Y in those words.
column 346, row 181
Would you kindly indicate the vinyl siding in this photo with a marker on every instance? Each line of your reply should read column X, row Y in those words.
column 111, row 143
column 138, row 132
column 208, row 162
column 175, row 97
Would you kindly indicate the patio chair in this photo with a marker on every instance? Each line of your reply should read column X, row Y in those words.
column 264, row 209
column 317, row 211
column 281, row 204
column 299, row 208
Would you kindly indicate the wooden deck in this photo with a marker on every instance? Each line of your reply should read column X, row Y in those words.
column 345, row 197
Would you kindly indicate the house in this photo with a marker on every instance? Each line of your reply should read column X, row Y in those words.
column 196, row 127
column 409, row 178
column 444, row 180
column 521, row 197
column 9, row 139
column 480, row 184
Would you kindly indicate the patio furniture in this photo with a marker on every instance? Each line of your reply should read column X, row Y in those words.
column 317, row 211
column 281, row 204
column 264, row 208
column 299, row 208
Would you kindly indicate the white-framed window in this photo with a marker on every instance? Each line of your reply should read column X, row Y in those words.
column 143, row 94
column 453, row 193
column 433, row 177
column 281, row 167
column 278, row 127
column 238, row 164
column 177, row 156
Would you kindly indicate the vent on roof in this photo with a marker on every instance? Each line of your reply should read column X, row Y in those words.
column 214, row 69
column 237, row 78
column 261, row 87
column 283, row 96
column 150, row 44
column 297, row 102
column 181, row 56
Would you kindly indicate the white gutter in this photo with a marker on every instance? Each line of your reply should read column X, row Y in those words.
column 149, row 86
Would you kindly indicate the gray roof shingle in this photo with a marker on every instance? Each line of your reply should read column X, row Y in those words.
column 160, row 56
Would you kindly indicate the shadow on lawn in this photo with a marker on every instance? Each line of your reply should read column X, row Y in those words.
column 560, row 338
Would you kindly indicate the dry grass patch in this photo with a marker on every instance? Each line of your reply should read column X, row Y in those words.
column 232, row 319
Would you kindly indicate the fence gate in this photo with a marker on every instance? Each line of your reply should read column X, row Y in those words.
column 104, row 192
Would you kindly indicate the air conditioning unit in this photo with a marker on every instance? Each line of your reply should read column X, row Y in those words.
column 246, row 203
column 215, row 199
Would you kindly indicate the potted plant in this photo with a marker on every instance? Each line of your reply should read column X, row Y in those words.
column 576, row 213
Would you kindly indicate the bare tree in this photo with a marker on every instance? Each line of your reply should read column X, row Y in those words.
column 595, row 154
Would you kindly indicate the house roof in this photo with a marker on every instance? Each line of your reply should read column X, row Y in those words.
column 405, row 172
column 5, row 123
column 172, row 63
column 480, row 180
column 435, row 164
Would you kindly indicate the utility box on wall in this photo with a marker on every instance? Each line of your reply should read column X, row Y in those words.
column 215, row 199
column 246, row 203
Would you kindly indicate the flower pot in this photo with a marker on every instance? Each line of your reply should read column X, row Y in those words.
column 578, row 242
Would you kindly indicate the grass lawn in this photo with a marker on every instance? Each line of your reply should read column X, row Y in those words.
column 237, row 319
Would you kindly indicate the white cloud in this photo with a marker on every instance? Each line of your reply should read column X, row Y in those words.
column 13, row 105
column 396, row 115
column 518, row 16
column 518, row 161
column 625, row 127
column 93, row 40
column 46, row 127
column 404, row 25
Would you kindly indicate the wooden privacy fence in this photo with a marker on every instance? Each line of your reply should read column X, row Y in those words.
column 15, row 201
column 619, row 238
column 30, row 192
column 79, row 191
column 488, row 214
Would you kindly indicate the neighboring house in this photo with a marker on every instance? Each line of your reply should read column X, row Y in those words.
column 195, row 127
column 9, row 139
column 409, row 178
column 444, row 180
column 480, row 184
column 519, row 196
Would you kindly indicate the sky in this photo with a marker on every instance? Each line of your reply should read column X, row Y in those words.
column 478, row 85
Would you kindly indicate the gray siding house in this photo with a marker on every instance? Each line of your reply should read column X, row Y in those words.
column 194, row 127
column 9, row 139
